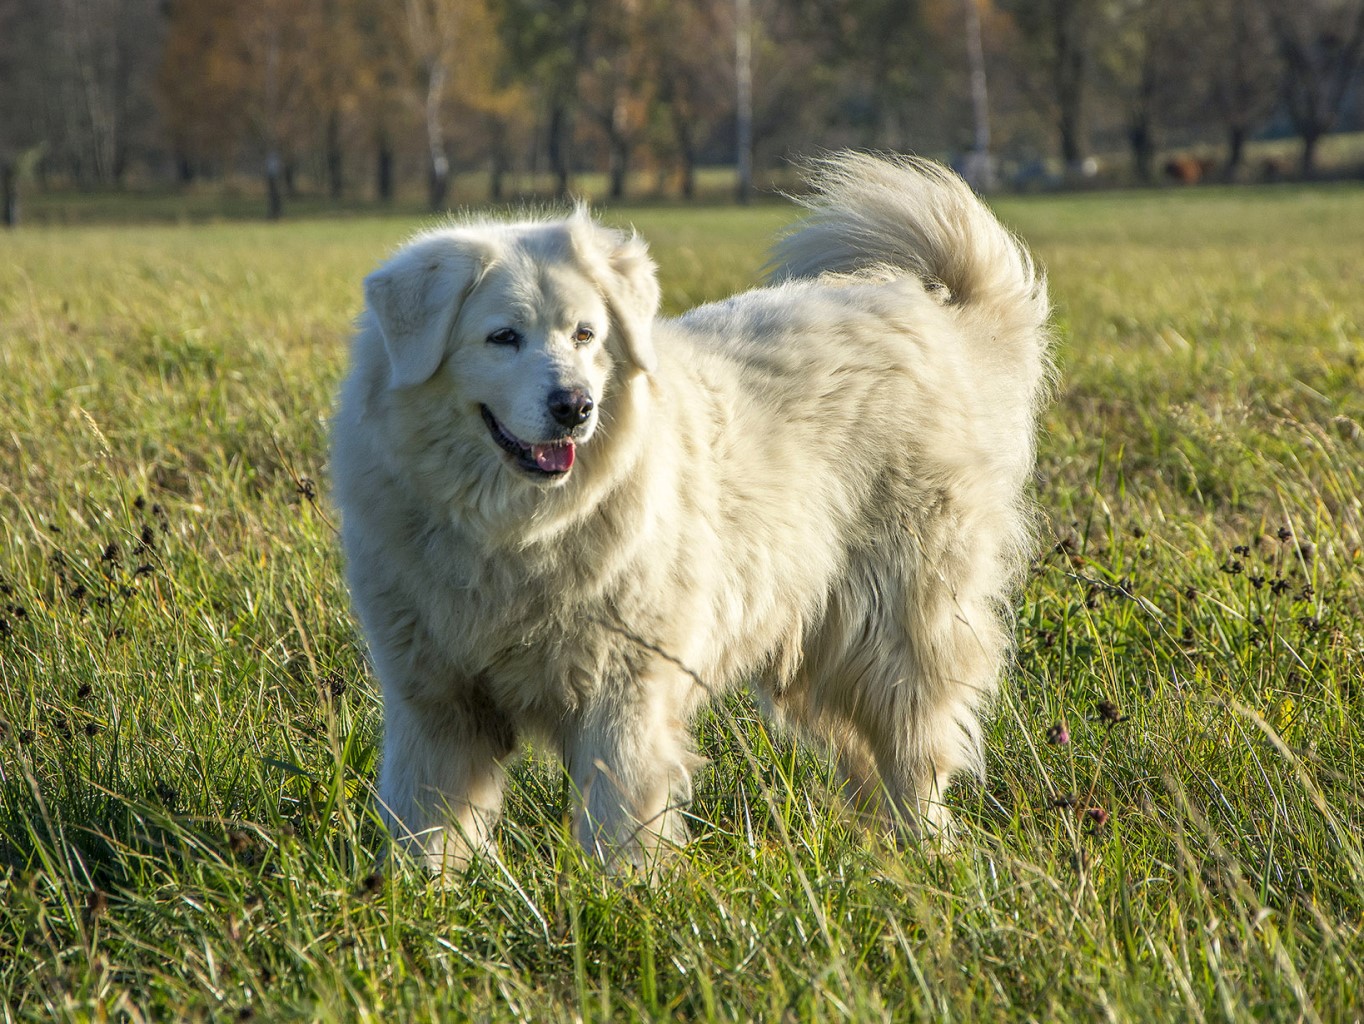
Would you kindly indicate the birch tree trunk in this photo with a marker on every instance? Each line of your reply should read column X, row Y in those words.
column 743, row 97
column 980, row 169
column 439, row 183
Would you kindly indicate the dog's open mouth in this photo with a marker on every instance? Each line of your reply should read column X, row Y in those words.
column 553, row 458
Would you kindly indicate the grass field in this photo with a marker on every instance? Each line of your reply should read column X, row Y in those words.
column 189, row 733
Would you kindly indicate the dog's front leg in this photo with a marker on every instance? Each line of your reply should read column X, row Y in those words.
column 440, row 786
column 631, row 764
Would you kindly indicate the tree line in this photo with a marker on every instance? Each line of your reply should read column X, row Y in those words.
column 357, row 97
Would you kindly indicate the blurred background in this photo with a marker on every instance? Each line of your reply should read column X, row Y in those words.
column 190, row 108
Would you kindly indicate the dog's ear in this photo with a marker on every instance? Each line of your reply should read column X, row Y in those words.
column 415, row 298
column 629, row 283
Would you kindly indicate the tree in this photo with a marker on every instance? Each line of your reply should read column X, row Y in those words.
column 432, row 34
column 1322, row 45
column 1060, row 34
column 201, row 83
column 1149, row 65
column 245, row 73
column 78, row 79
column 340, row 76
column 795, row 90
column 494, row 102
column 743, row 98
column 877, row 50
column 379, row 79
column 980, row 167
column 280, row 44
column 616, row 89
column 547, row 42
column 1240, row 66
column 239, row 72
column 692, row 84
column 77, row 89
column 22, row 79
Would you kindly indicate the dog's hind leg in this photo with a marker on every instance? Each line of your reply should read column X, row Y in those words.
column 917, row 763
column 631, row 764
column 920, row 716
column 440, row 786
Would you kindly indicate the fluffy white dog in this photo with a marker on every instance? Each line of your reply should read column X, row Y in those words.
column 570, row 521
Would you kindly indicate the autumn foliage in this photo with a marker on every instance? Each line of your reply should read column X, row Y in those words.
column 367, row 97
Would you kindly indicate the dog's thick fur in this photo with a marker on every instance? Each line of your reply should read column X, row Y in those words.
column 816, row 486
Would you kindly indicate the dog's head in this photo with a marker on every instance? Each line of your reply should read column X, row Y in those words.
column 526, row 325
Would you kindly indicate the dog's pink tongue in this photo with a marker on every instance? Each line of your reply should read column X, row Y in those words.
column 554, row 458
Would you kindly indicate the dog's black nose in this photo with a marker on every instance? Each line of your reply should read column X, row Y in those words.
column 570, row 407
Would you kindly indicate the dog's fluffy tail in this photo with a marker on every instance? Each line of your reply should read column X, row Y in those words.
column 874, row 214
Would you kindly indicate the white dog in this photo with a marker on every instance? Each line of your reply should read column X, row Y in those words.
column 569, row 521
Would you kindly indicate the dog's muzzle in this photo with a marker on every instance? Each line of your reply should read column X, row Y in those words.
column 546, row 459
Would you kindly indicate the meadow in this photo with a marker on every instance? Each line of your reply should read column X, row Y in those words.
column 1172, row 825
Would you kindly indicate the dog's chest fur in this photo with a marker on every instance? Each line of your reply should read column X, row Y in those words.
column 564, row 623
column 590, row 607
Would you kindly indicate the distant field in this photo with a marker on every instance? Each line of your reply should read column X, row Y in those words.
column 242, row 197
column 189, row 735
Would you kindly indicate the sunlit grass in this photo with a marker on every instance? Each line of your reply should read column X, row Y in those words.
column 189, row 734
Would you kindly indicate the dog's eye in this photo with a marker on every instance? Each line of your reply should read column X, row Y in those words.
column 583, row 334
column 504, row 336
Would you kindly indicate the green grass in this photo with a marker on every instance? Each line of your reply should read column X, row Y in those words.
column 190, row 736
